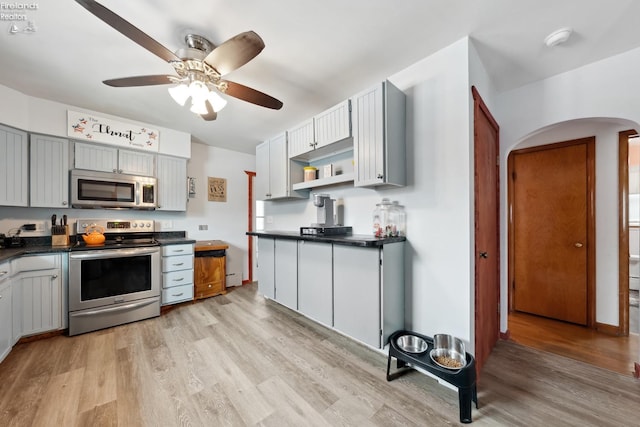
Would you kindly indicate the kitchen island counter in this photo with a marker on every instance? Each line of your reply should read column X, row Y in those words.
column 362, row 240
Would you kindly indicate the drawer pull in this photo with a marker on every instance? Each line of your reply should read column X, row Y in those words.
column 179, row 264
column 178, row 280
column 178, row 295
column 178, row 250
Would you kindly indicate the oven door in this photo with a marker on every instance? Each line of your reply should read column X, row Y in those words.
column 104, row 277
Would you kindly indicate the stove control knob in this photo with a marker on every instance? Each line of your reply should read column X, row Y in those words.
column 141, row 225
column 148, row 225
column 85, row 225
column 134, row 225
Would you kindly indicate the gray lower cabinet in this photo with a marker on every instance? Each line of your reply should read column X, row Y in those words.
column 357, row 290
column 286, row 273
column 6, row 340
column 266, row 267
column 315, row 281
column 368, row 286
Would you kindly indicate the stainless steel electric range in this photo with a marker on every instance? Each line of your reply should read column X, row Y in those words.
column 115, row 282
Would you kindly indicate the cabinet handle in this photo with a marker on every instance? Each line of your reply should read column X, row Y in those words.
column 119, row 170
column 64, row 203
column 178, row 295
column 179, row 264
column 2, row 273
column 311, row 144
column 178, row 250
column 54, row 276
column 178, row 280
column 209, row 286
column 380, row 176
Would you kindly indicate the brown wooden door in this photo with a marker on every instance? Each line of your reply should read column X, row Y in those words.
column 487, row 232
column 551, row 193
column 209, row 276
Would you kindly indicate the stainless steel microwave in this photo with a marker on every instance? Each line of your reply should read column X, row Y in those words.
column 93, row 189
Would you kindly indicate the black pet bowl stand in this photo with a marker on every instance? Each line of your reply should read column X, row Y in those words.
column 464, row 379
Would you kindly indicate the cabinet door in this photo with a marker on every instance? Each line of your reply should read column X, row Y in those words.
column 356, row 293
column 315, row 281
column 286, row 273
column 266, row 267
column 333, row 125
column 41, row 301
column 95, row 157
column 368, row 136
column 49, row 172
column 262, row 171
column 16, row 307
column 136, row 163
column 209, row 276
column 14, row 158
column 172, row 184
column 278, row 167
column 301, row 138
column 6, row 333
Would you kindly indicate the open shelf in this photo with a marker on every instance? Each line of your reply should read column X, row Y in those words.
column 321, row 182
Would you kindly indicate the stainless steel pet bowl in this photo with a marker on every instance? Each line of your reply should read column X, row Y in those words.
column 411, row 344
column 450, row 347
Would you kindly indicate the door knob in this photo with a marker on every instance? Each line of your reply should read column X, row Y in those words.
column 578, row 245
column 484, row 255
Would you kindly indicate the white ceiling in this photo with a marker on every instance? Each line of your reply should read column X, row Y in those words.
column 317, row 53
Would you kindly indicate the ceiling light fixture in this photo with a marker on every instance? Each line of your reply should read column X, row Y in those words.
column 558, row 37
column 196, row 88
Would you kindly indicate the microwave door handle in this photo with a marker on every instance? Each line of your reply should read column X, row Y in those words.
column 137, row 193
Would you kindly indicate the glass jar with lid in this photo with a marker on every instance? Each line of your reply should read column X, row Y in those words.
column 383, row 222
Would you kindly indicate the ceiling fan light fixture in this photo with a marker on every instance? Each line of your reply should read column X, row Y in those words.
column 180, row 93
column 198, row 106
column 217, row 102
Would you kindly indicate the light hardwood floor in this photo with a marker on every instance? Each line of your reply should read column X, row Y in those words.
column 239, row 360
column 577, row 342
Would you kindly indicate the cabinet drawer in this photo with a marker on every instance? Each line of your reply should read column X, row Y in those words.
column 175, row 263
column 31, row 263
column 177, row 294
column 177, row 278
column 171, row 250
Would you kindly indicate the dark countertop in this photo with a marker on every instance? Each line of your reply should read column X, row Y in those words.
column 363, row 240
column 42, row 245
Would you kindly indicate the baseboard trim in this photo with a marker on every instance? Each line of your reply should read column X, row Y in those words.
column 608, row 329
column 636, row 372
column 506, row 335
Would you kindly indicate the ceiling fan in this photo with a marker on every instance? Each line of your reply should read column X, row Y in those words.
column 199, row 68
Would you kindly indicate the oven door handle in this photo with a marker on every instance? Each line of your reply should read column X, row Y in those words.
column 113, row 253
column 124, row 307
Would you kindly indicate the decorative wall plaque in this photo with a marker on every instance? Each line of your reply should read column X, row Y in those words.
column 217, row 189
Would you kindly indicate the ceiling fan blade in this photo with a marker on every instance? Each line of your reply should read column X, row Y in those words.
column 160, row 79
column 235, row 52
column 251, row 95
column 127, row 29
column 211, row 115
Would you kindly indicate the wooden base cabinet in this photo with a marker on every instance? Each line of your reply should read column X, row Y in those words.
column 210, row 269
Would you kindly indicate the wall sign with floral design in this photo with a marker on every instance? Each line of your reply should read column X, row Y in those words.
column 99, row 129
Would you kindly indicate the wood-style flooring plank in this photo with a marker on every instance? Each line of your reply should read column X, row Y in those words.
column 242, row 360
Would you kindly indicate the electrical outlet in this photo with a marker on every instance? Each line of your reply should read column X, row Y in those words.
column 166, row 225
column 202, row 227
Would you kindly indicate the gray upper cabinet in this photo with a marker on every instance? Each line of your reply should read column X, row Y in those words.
column 14, row 169
column 301, row 138
column 379, row 136
column 110, row 159
column 275, row 172
column 172, row 183
column 49, row 172
column 324, row 129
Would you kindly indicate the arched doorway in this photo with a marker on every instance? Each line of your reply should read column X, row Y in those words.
column 607, row 240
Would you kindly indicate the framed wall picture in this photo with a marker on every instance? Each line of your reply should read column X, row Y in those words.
column 217, row 189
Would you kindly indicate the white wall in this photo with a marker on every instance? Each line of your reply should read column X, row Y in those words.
column 225, row 221
column 605, row 94
column 50, row 118
column 438, row 196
